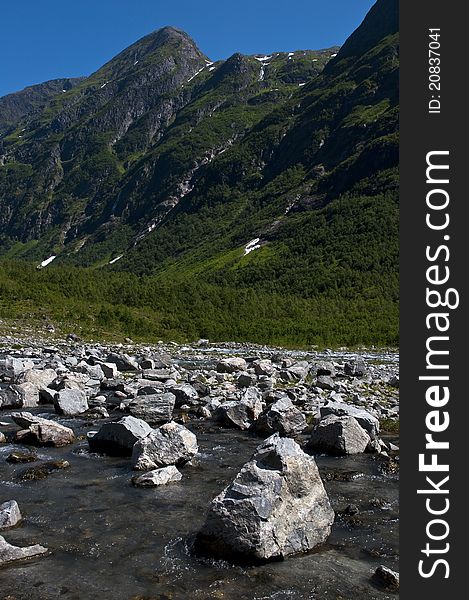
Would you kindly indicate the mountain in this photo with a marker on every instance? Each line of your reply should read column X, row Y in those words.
column 269, row 174
column 33, row 99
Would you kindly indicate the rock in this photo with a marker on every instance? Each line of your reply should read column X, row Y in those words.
column 324, row 367
column 42, row 471
column 2, row 438
column 245, row 380
column 23, row 395
column 299, row 370
column 387, row 578
column 157, row 374
column 15, row 367
column 355, row 368
column 41, row 378
column 339, row 435
column 275, row 507
column 282, row 417
column 325, row 382
column 41, row 432
column 150, row 390
column 263, row 367
column 47, row 395
column 369, row 422
column 21, row 457
column 157, row 477
column 153, row 408
column 70, row 402
column 93, row 371
column 185, row 394
column 10, row 514
column 170, row 444
column 243, row 413
column 231, row 365
column 9, row 553
column 123, row 362
column 109, row 370
column 394, row 381
column 97, row 412
column 118, row 439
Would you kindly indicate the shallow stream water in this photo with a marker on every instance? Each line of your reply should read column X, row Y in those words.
column 111, row 540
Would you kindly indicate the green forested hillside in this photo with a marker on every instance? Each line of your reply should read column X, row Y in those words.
column 254, row 198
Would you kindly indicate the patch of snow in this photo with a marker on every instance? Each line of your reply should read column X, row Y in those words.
column 212, row 68
column 195, row 74
column 262, row 73
column 321, row 143
column 136, row 63
column 114, row 260
column 63, row 91
column 332, row 55
column 291, row 55
column 252, row 245
column 209, row 62
column 104, row 84
column 48, row 260
column 20, row 136
column 301, row 84
column 315, row 60
column 263, row 58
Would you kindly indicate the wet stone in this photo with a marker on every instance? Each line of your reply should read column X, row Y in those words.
column 42, row 471
column 18, row 457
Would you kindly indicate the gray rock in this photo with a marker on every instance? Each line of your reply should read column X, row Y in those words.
column 153, row 408
column 70, row 402
column 46, row 396
column 241, row 414
column 245, row 380
column 41, row 378
column 2, row 438
column 324, row 367
column 275, row 507
column 9, row 553
column 231, row 365
column 23, row 395
column 355, row 368
column 282, row 417
column 10, row 514
column 185, row 394
column 93, row 371
column 339, row 435
column 387, row 578
column 118, row 439
column 149, row 390
column 123, row 362
column 41, row 432
column 369, row 422
column 325, row 382
column 263, row 367
column 157, row 477
column 109, row 370
column 170, row 444
column 15, row 367
column 157, row 374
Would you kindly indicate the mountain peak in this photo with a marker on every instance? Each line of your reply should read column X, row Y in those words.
column 382, row 20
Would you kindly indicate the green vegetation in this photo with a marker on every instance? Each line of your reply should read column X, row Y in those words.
column 105, row 304
column 175, row 165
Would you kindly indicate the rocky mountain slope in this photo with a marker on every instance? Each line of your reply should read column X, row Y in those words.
column 277, row 173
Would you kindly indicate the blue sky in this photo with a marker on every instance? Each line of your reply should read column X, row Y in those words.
column 47, row 39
